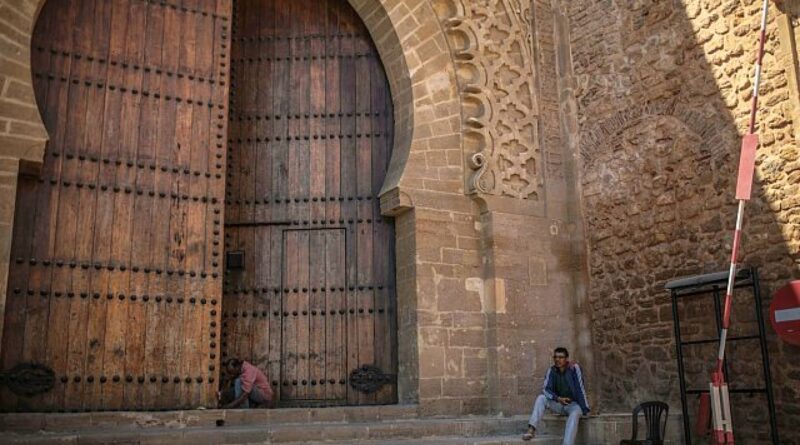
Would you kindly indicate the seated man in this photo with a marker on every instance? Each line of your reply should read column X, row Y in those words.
column 249, row 385
column 563, row 393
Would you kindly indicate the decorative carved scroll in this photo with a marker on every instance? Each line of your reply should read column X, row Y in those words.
column 28, row 379
column 492, row 49
column 369, row 379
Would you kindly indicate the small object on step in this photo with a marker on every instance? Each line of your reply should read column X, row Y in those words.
column 220, row 422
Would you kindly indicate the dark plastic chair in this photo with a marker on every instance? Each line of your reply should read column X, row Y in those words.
column 656, row 428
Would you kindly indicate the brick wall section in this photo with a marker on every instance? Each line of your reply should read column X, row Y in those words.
column 496, row 289
column 22, row 134
column 663, row 92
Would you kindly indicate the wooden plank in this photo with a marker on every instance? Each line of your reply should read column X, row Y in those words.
column 365, row 300
column 87, row 174
column 231, row 298
column 315, row 165
column 335, row 258
column 265, row 279
column 151, row 252
column 174, row 127
column 105, row 281
column 336, row 278
column 141, row 222
column 224, row 8
column 280, row 150
column 383, row 233
column 247, row 179
column 167, row 358
column 197, row 331
column 291, row 250
column 14, row 326
column 191, row 212
column 348, row 169
column 45, row 222
column 55, row 280
column 65, row 227
column 131, row 48
column 271, row 72
column 48, row 282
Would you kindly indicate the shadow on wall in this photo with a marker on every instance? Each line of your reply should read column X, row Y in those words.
column 664, row 90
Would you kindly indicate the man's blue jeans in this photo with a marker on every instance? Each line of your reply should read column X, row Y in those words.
column 573, row 410
column 255, row 394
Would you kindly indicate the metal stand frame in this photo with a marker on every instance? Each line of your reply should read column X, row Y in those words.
column 713, row 284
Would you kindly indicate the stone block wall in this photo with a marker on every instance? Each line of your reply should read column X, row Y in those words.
column 500, row 271
column 662, row 92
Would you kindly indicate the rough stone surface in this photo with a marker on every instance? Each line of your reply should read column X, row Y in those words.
column 554, row 163
column 663, row 94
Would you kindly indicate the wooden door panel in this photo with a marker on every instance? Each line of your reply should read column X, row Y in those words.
column 309, row 146
column 116, row 270
column 310, row 357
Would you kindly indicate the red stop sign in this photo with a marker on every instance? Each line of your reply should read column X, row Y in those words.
column 784, row 312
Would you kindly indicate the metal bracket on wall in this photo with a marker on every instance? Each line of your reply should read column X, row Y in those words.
column 369, row 378
column 28, row 379
column 234, row 260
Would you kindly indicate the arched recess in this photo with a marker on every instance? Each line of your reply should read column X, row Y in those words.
column 310, row 137
column 427, row 111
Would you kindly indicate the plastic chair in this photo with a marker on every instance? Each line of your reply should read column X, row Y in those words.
column 656, row 428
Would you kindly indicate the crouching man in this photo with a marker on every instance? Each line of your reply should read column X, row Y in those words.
column 563, row 393
column 250, row 385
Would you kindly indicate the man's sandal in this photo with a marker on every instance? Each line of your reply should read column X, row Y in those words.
column 530, row 434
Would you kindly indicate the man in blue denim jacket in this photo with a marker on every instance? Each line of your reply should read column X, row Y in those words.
column 563, row 393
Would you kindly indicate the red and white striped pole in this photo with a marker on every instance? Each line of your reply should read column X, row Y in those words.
column 723, row 429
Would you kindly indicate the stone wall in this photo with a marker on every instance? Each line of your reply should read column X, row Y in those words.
column 662, row 91
column 499, row 277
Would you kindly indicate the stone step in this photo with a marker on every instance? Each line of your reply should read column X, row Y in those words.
column 449, row 430
column 56, row 422
column 488, row 440
column 396, row 424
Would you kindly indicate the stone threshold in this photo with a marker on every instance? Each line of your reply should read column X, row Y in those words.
column 54, row 422
column 340, row 431
column 365, row 425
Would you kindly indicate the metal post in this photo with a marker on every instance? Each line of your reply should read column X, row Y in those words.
column 762, row 339
column 723, row 430
column 679, row 349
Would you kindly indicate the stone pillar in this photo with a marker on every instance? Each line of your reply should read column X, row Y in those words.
column 569, row 130
column 530, row 300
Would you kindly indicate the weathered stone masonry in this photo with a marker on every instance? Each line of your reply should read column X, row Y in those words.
column 663, row 92
column 520, row 126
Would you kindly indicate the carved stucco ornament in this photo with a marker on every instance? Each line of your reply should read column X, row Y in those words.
column 491, row 46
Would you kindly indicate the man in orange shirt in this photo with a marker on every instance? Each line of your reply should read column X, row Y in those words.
column 250, row 385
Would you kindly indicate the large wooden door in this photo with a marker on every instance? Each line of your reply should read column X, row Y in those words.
column 310, row 139
column 115, row 278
